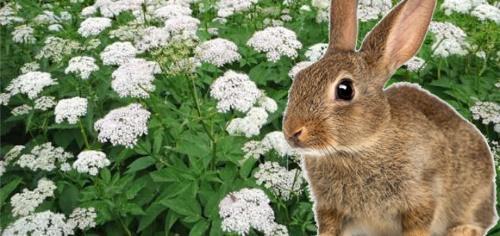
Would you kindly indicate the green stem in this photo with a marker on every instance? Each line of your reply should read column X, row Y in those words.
column 85, row 139
column 124, row 227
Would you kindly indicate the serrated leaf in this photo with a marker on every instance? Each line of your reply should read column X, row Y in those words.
column 140, row 164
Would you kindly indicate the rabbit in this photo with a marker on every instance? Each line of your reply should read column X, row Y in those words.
column 393, row 161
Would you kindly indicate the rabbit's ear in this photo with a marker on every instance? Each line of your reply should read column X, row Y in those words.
column 398, row 36
column 343, row 25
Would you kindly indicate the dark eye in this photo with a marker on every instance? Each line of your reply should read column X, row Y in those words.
column 344, row 90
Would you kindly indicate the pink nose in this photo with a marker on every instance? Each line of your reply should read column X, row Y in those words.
column 297, row 137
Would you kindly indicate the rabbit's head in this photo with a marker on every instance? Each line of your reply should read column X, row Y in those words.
column 338, row 103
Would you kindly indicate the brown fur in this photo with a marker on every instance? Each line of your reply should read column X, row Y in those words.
column 395, row 161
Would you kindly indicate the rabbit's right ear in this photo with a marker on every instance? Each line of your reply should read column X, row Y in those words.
column 398, row 36
column 343, row 25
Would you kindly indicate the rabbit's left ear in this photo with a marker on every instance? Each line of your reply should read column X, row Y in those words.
column 398, row 36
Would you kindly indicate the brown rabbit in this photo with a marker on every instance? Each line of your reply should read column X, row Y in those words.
column 395, row 161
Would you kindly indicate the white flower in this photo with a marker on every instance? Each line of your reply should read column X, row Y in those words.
column 151, row 38
column 118, row 53
column 373, row 9
column 55, row 27
column 123, row 126
column 90, row 162
column 88, row 11
column 31, row 84
column 93, row 26
column 186, row 65
column 298, row 67
column 250, row 124
column 13, row 153
column 70, row 109
column 245, row 209
column 7, row 14
column 46, row 17
column 23, row 34
column 226, row 8
column 30, row 66
column 44, row 103
column 267, row 103
column 40, row 223
column 56, row 48
column 218, row 52
column 316, row 51
column 44, row 157
column 460, row 6
column 82, row 218
column 450, row 39
column 279, row 180
column 275, row 42
column 487, row 12
column 92, row 44
column 254, row 149
column 135, row 78
column 21, row 110
column 276, row 141
column 489, row 112
column 4, row 98
column 182, row 25
column 27, row 201
column 3, row 166
column 414, row 64
column 234, row 91
column 81, row 65
column 171, row 11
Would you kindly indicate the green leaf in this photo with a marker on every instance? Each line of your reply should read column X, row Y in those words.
column 158, row 140
column 106, row 175
column 164, row 175
column 199, row 228
column 133, row 209
column 182, row 205
column 8, row 188
column 247, row 167
column 150, row 215
column 137, row 186
column 170, row 220
column 70, row 197
column 140, row 164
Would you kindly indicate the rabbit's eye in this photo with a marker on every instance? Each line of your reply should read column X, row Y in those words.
column 344, row 90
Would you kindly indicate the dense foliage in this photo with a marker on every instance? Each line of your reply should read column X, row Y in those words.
column 134, row 118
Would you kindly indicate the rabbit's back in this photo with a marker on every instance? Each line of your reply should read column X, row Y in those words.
column 468, row 172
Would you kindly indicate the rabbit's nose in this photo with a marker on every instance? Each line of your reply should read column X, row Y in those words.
column 297, row 136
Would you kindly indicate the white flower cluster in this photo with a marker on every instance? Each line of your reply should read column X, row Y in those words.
column 298, row 67
column 3, row 167
column 272, row 141
column 8, row 14
column 45, row 157
column 487, row 12
column 82, row 218
column 23, row 34
column 323, row 10
column 135, row 78
column 234, row 91
column 488, row 112
column 373, row 9
column 13, row 153
column 21, row 110
column 249, row 125
column 30, row 67
column 183, row 26
column 279, row 180
column 172, row 11
column 450, row 39
column 93, row 26
column 460, row 6
column 118, row 53
column 27, row 201
column 90, row 162
column 40, row 223
column 48, row 17
column 44, row 103
column 226, row 8
column 275, row 42
column 81, row 65
column 151, row 38
column 4, row 99
column 267, row 103
column 70, row 109
column 414, row 64
column 218, row 52
column 123, row 126
column 248, row 208
column 31, row 84
column 56, row 48
column 316, row 51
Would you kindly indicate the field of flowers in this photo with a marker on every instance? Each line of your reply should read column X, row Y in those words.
column 156, row 117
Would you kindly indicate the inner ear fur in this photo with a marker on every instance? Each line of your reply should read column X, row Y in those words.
column 398, row 36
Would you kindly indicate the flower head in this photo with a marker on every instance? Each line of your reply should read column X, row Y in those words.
column 234, row 91
column 93, row 26
column 275, row 42
column 123, row 126
column 135, row 78
column 31, row 83
column 226, row 8
column 118, row 53
column 450, row 39
column 250, row 124
column 81, row 65
column 90, row 162
column 82, row 218
column 171, row 11
column 27, row 201
column 279, row 180
column 44, row 157
column 40, row 223
column 316, row 51
column 23, row 34
column 218, row 52
column 44, row 103
column 70, row 109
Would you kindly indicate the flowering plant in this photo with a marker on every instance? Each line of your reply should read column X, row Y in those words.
column 129, row 117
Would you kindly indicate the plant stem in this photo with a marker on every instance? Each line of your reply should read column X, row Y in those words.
column 124, row 227
column 85, row 139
